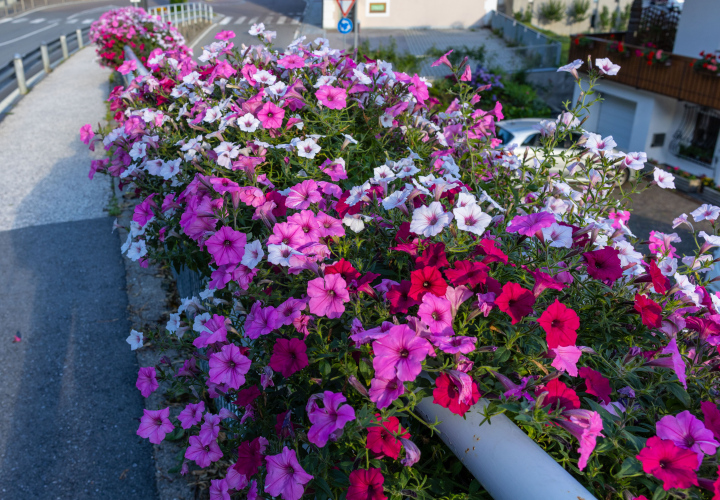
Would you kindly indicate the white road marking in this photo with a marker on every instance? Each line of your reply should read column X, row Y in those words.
column 295, row 21
column 282, row 20
column 241, row 19
column 26, row 35
column 254, row 20
column 37, row 21
column 21, row 20
column 88, row 21
column 268, row 20
column 225, row 21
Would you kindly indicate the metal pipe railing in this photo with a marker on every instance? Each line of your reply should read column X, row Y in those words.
column 183, row 14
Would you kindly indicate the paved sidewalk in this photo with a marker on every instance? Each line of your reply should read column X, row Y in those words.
column 68, row 402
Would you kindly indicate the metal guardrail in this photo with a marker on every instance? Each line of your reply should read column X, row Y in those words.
column 20, row 73
column 12, row 7
column 184, row 14
column 534, row 44
column 140, row 70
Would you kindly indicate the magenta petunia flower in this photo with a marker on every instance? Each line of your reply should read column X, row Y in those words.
column 271, row 116
column 585, row 425
column 400, row 354
column 143, row 212
column 436, row 313
column 250, row 456
column 604, row 264
column 384, row 391
column 86, row 134
column 366, row 485
column 146, row 381
column 214, row 330
column 191, row 415
column 596, row 384
column 328, row 422
column 328, row 296
column 229, row 366
column 455, row 344
column 287, row 234
column 203, row 454
column 127, row 66
column 332, row 97
column 530, row 224
column 285, row 475
column 289, row 356
column 219, row 488
column 210, row 428
column 292, row 61
column 303, row 195
column 261, row 321
column 673, row 465
column 227, row 246
column 687, row 431
column 155, row 424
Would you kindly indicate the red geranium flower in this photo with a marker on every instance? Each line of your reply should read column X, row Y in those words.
column 559, row 392
column 673, row 465
column 467, row 272
column 427, row 279
column 366, row 485
column 399, row 299
column 447, row 395
column 649, row 310
column 433, row 255
column 596, row 384
column 603, row 264
column 516, row 301
column 560, row 324
column 289, row 356
column 381, row 440
column 344, row 269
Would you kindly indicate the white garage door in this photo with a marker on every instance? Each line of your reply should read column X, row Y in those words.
column 616, row 119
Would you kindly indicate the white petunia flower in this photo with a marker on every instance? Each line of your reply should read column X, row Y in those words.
column 396, row 199
column 253, row 254
column 355, row 222
column 264, row 77
column 173, row 323
column 383, row 173
column 137, row 250
column 257, row 29
column 135, row 340
column 668, row 266
column 430, row 220
column 308, row 148
column 664, row 179
column 248, row 123
column 280, row 254
column 705, row 212
column 558, row 236
column 471, row 218
column 200, row 320
column 465, row 199
column 596, row 143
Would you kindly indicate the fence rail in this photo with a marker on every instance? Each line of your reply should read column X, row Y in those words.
column 23, row 71
column 184, row 14
column 539, row 49
column 10, row 8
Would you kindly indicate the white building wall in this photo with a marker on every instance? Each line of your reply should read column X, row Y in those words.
column 698, row 28
column 565, row 27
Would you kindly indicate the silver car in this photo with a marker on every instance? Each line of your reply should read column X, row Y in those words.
column 525, row 133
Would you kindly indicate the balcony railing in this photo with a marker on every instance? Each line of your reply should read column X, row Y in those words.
column 674, row 78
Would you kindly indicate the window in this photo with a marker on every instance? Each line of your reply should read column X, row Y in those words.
column 378, row 8
column 697, row 136
column 658, row 141
column 505, row 136
column 533, row 141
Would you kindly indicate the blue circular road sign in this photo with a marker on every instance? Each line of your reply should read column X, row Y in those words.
column 345, row 25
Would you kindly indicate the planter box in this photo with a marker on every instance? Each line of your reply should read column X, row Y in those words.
column 710, row 195
column 687, row 185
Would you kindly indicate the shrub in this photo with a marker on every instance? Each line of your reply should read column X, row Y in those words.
column 524, row 16
column 578, row 11
column 363, row 251
column 604, row 20
column 551, row 11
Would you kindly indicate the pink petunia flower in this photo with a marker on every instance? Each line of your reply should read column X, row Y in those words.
column 210, row 428
column 261, row 321
column 219, row 488
column 332, row 97
column 86, row 134
column 329, row 226
column 292, row 61
column 328, row 421
column 673, row 465
column 146, row 381
column 328, row 296
column 435, row 311
column 127, row 66
column 400, row 354
column 203, row 454
column 271, row 116
column 384, row 391
column 155, row 424
column 227, row 246
column 214, row 330
column 335, row 169
column 229, row 366
column 191, row 415
column 585, row 425
column 566, row 358
column 530, row 224
column 285, row 475
column 303, row 195
column 456, row 344
column 687, row 431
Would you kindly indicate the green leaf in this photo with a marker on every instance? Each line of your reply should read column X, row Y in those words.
column 680, row 393
column 322, row 484
column 637, row 442
column 176, row 434
column 630, row 467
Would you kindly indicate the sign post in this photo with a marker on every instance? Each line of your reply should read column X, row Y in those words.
column 345, row 25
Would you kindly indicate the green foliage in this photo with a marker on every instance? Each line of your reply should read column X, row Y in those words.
column 604, row 21
column 524, row 16
column 551, row 11
column 405, row 61
column 578, row 11
column 476, row 54
column 621, row 18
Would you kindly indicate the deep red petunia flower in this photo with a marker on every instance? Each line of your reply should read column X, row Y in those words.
column 433, row 255
column 467, row 272
column 399, row 299
column 366, row 485
column 712, row 417
column 603, row 264
column 427, row 280
column 673, row 465
column 447, row 395
column 596, row 384
column 289, row 356
column 247, row 396
column 344, row 269
column 560, row 324
column 660, row 282
column 250, row 456
column 492, row 253
column 559, row 393
column 381, row 440
column 649, row 310
column 516, row 301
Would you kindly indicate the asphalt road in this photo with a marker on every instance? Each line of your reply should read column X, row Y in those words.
column 282, row 16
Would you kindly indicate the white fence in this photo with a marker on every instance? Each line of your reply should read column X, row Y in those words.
column 184, row 14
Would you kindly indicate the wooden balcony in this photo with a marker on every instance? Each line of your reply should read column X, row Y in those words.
column 675, row 78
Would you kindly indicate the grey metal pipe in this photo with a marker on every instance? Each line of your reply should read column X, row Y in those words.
column 78, row 33
column 63, row 45
column 45, row 57
column 20, row 74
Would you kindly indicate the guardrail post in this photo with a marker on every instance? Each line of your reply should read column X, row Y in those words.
column 63, row 45
column 212, row 14
column 45, row 57
column 20, row 74
column 78, row 33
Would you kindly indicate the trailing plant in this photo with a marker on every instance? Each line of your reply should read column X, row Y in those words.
column 578, row 11
column 551, row 11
